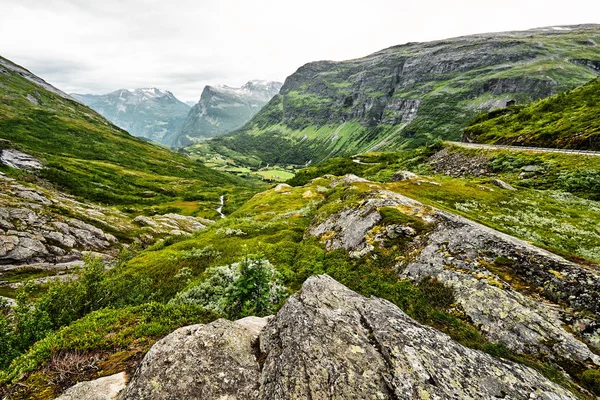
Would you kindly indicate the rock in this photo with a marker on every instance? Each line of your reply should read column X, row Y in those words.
column 106, row 388
column 328, row 342
column 348, row 228
column 18, row 160
column 468, row 257
column 282, row 187
column 531, row 168
column 502, row 184
column 347, row 180
column 172, row 224
column 403, row 176
column 463, row 255
column 214, row 361
column 458, row 163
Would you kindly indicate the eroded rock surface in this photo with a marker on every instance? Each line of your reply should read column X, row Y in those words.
column 526, row 298
column 328, row 342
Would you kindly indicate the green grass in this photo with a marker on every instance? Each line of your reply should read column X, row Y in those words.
column 568, row 120
column 87, row 156
column 363, row 94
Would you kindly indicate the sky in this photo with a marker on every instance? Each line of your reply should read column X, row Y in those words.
column 98, row 46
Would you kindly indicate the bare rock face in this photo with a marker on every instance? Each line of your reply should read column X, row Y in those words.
column 559, row 320
column 328, row 342
column 18, row 159
column 214, row 361
column 106, row 388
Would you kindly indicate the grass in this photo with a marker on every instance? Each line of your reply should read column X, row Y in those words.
column 568, row 120
column 297, row 125
column 86, row 156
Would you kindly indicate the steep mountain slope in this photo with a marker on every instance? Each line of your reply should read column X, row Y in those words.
column 149, row 113
column 222, row 109
column 414, row 92
column 84, row 154
column 569, row 120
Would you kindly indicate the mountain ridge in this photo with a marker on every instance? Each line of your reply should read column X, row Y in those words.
column 410, row 94
column 222, row 109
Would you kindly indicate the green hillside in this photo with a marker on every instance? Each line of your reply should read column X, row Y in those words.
column 89, row 157
column 410, row 94
column 569, row 120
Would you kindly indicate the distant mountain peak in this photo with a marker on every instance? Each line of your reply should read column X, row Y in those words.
column 148, row 112
column 222, row 109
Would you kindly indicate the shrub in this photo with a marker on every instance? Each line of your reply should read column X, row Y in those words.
column 250, row 287
column 591, row 380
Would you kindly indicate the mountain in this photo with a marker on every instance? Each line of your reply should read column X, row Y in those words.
column 222, row 109
column 83, row 154
column 148, row 113
column 409, row 94
column 569, row 120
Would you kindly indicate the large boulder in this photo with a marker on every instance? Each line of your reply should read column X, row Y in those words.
column 328, row 342
column 214, row 361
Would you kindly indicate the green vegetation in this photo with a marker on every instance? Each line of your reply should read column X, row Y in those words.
column 568, row 120
column 554, row 207
column 245, row 264
column 87, row 156
column 383, row 106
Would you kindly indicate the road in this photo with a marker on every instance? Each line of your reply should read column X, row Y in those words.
column 521, row 148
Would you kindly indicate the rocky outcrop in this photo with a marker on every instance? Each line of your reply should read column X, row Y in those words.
column 457, row 163
column 532, row 301
column 328, row 342
column 19, row 160
column 106, row 388
column 173, row 224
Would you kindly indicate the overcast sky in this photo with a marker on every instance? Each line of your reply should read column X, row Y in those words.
column 97, row 46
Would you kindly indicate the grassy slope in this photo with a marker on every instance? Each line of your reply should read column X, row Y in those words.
column 568, row 120
column 297, row 126
column 271, row 224
column 87, row 156
column 557, row 208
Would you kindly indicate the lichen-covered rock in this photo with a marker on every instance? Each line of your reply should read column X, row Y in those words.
column 348, row 229
column 106, row 388
column 403, row 176
column 213, row 361
column 464, row 255
column 173, row 224
column 481, row 265
column 19, row 160
column 328, row 342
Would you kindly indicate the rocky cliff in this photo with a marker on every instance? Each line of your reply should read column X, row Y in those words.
column 415, row 91
column 327, row 342
column 222, row 109
column 148, row 113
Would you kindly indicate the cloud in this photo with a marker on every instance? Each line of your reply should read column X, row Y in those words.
column 181, row 45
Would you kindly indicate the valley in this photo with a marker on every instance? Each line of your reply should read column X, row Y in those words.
column 387, row 227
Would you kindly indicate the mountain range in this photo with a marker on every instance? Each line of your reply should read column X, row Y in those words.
column 222, row 109
column 396, row 263
column 149, row 113
column 413, row 93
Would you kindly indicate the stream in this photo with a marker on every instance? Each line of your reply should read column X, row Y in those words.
column 220, row 208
